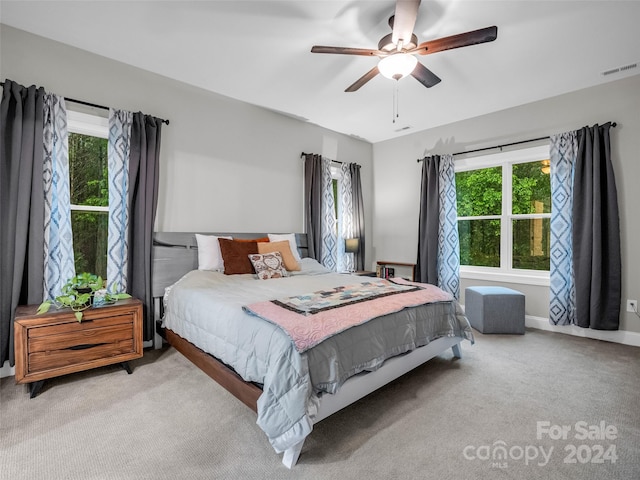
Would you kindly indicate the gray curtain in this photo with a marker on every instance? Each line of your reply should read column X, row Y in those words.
column 313, row 202
column 428, row 223
column 21, row 205
column 358, row 214
column 596, row 232
column 143, row 200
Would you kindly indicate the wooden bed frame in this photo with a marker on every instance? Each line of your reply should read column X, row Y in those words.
column 175, row 254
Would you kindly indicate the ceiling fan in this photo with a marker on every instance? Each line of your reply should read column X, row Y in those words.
column 397, row 50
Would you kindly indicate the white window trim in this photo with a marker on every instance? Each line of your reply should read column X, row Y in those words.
column 87, row 124
column 505, row 273
column 90, row 208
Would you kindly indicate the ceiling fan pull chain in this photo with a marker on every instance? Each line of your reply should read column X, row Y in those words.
column 397, row 99
column 395, row 102
column 393, row 105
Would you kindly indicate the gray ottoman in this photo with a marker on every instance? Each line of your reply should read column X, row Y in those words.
column 494, row 309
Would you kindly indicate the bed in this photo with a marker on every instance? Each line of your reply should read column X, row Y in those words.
column 215, row 320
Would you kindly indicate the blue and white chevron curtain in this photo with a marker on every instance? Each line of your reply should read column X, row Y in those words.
column 438, row 259
column 118, row 166
column 345, row 218
column 329, row 237
column 58, row 238
column 562, row 302
column 448, row 240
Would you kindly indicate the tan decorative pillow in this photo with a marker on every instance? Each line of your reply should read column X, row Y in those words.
column 291, row 238
column 268, row 265
column 235, row 256
column 290, row 262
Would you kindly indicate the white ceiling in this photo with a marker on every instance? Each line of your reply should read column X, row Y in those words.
column 259, row 52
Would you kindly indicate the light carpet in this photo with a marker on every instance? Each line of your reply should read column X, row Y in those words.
column 514, row 407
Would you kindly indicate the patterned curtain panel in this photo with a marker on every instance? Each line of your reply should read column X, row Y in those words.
column 118, row 163
column 585, row 231
column 327, row 233
column 438, row 243
column 345, row 218
column 58, row 238
column 328, row 252
column 448, row 241
column 562, row 295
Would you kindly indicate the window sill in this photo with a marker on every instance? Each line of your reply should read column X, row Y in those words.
column 521, row 278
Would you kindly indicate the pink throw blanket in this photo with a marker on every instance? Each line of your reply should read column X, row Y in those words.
column 310, row 319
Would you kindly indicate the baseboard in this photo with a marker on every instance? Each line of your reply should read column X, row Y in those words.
column 617, row 336
column 7, row 371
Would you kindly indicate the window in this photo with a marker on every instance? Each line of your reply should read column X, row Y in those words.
column 504, row 213
column 89, row 186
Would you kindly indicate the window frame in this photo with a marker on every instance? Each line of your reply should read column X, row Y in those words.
column 91, row 125
column 505, row 273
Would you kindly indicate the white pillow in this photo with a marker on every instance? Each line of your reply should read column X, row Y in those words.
column 310, row 266
column 209, row 256
column 291, row 237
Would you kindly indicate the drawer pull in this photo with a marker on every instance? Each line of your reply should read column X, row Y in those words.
column 86, row 346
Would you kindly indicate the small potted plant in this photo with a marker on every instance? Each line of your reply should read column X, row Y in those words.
column 78, row 295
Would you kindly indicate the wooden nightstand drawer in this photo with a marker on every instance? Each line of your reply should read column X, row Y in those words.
column 54, row 359
column 55, row 343
column 87, row 326
column 74, row 348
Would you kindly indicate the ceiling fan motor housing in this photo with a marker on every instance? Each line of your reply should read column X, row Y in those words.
column 386, row 44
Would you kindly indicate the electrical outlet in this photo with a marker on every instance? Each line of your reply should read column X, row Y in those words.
column 632, row 306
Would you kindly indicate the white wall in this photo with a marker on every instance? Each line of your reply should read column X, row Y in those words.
column 397, row 174
column 225, row 165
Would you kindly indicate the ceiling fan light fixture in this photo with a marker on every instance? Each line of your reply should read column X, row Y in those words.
column 397, row 65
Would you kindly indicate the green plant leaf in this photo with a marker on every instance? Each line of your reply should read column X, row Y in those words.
column 78, row 316
column 120, row 296
column 44, row 307
column 82, row 298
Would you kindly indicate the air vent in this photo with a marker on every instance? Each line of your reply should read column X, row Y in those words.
column 620, row 69
column 358, row 137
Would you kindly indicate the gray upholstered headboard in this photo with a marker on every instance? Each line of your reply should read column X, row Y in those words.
column 176, row 253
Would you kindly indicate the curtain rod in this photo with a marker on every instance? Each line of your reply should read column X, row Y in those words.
column 613, row 124
column 95, row 105
column 334, row 161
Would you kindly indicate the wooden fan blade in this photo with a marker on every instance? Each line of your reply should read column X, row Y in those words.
column 363, row 79
column 474, row 37
column 425, row 76
column 404, row 20
column 347, row 51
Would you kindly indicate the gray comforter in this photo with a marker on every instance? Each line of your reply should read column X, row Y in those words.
column 206, row 308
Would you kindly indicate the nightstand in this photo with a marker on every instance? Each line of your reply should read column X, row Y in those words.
column 364, row 273
column 55, row 343
column 386, row 271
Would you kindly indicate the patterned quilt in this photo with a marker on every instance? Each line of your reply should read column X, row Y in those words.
column 309, row 319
